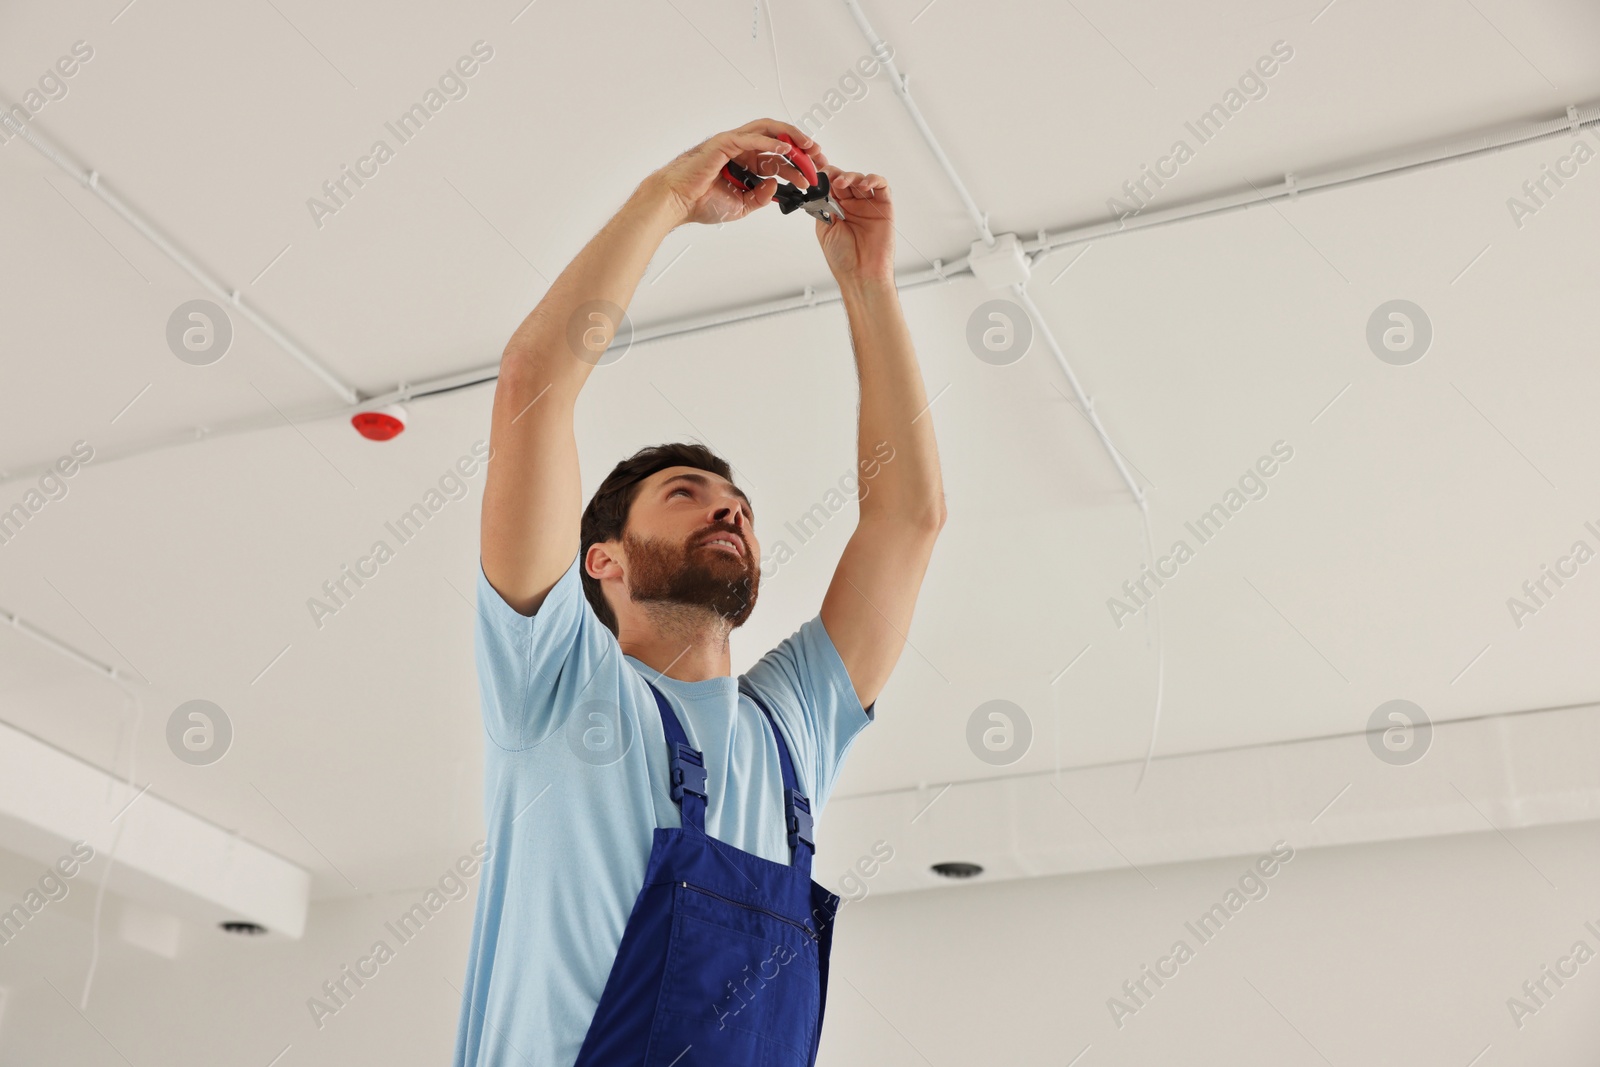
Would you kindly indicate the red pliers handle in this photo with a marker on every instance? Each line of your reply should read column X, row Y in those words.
column 745, row 179
column 815, row 199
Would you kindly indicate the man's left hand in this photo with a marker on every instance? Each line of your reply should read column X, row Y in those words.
column 860, row 246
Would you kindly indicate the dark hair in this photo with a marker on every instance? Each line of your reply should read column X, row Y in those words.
column 607, row 514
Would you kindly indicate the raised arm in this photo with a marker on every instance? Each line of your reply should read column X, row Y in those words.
column 868, row 607
column 533, row 495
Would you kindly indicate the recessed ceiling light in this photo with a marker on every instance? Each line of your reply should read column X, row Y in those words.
column 957, row 870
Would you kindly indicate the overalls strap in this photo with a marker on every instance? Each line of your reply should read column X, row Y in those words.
column 687, row 775
column 796, row 805
column 687, row 771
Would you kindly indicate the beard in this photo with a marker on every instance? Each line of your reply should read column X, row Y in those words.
column 693, row 575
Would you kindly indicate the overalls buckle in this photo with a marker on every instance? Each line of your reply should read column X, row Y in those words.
column 688, row 773
column 799, row 819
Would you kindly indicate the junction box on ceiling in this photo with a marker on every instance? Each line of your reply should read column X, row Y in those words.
column 1001, row 264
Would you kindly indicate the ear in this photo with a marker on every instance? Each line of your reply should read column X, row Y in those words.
column 603, row 560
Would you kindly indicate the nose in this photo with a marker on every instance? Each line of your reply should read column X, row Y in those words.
column 729, row 508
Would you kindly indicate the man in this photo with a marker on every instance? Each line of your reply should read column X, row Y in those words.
column 647, row 898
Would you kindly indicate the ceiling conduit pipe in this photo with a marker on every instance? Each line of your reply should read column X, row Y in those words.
column 1576, row 118
column 1573, row 122
column 92, row 181
column 486, row 373
column 1405, row 161
column 712, row 320
column 1018, row 288
column 981, row 223
column 22, row 625
column 902, row 88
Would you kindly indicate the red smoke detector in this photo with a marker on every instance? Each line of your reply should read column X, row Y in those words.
column 380, row 425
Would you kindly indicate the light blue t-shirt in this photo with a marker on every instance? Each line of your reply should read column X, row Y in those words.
column 575, row 781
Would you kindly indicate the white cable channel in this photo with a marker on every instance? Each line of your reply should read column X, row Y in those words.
column 1404, row 161
column 92, row 181
column 902, row 88
column 981, row 221
column 1570, row 123
column 22, row 625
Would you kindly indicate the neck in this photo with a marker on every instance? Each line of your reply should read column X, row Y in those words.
column 689, row 644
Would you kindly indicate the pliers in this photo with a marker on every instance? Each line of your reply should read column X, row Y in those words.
column 815, row 199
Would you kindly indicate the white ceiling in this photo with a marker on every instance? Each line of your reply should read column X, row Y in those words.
column 1377, row 567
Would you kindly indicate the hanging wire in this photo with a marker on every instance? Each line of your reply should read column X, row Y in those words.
column 132, row 737
column 777, row 70
column 1152, row 623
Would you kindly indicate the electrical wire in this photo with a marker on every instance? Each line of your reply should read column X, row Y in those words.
column 132, row 736
column 1152, row 626
column 772, row 36
column 1140, row 497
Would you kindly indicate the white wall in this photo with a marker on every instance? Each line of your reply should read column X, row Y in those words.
column 1398, row 953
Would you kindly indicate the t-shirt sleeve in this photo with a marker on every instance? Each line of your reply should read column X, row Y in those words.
column 534, row 669
column 805, row 684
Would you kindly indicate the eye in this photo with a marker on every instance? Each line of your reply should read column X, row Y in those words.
column 678, row 490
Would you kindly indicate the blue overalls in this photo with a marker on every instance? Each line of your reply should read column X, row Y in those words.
column 724, row 961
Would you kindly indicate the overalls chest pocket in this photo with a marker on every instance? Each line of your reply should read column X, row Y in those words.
column 735, row 966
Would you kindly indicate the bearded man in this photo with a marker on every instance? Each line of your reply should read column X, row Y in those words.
column 647, row 897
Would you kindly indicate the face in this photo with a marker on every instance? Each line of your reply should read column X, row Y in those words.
column 669, row 558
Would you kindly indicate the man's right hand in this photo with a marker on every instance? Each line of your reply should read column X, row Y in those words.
column 697, row 191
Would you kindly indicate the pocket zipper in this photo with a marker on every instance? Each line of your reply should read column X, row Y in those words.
column 739, row 903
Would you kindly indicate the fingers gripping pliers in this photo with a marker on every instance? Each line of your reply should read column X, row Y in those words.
column 815, row 199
